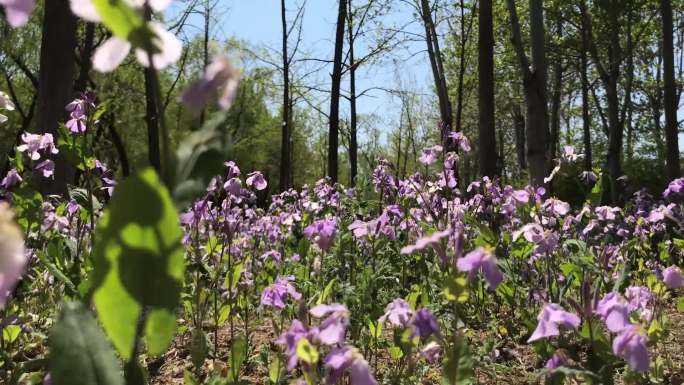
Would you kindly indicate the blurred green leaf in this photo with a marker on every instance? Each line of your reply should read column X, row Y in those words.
column 238, row 350
column 458, row 365
column 138, row 264
column 79, row 351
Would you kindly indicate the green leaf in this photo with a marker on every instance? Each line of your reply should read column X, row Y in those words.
column 198, row 349
column 326, row 292
column 456, row 289
column 79, row 351
column 10, row 333
column 275, row 371
column 680, row 304
column 233, row 277
column 126, row 23
column 238, row 349
column 189, row 379
column 594, row 196
column 138, row 264
column 458, row 365
column 199, row 158
column 306, row 352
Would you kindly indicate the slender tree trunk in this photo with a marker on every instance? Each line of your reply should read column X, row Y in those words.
column 152, row 114
column 556, row 97
column 205, row 46
column 462, row 66
column 334, row 116
column 285, row 156
column 671, row 126
column 485, row 66
column 56, row 84
column 534, row 86
column 435, row 57
column 586, row 118
column 86, row 58
column 353, row 143
column 519, row 125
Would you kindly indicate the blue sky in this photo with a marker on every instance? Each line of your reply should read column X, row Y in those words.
column 258, row 22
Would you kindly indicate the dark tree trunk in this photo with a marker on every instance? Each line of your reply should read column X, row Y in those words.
column 56, row 83
column 465, row 33
column 205, row 47
column 671, row 129
column 519, row 125
column 152, row 113
column 436, row 64
column 285, row 182
column 534, row 86
column 353, row 140
column 586, row 118
column 86, row 58
column 485, row 66
column 556, row 97
column 333, row 133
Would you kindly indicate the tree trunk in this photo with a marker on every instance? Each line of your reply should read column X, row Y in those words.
column 556, row 97
column 462, row 66
column 586, row 119
column 485, row 66
column 519, row 125
column 353, row 143
column 285, row 182
column 152, row 113
column 534, row 87
column 671, row 126
column 56, row 84
column 205, row 47
column 333, row 132
column 86, row 58
column 435, row 57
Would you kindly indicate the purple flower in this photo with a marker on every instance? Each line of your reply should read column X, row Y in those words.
column 557, row 360
column 481, row 259
column 323, row 231
column 425, row 241
column 638, row 297
column 398, row 312
column 47, row 168
column 614, row 311
column 521, row 196
column 12, row 256
column 460, row 140
column 431, row 351
column 332, row 330
column 430, row 154
column 361, row 373
column 630, row 344
column 552, row 316
column 290, row 339
column 12, row 178
column 672, row 277
column 18, row 11
column 675, row 187
column 557, row 206
column 425, row 324
column 220, row 75
column 276, row 294
column 257, row 180
column 33, row 144
column 233, row 186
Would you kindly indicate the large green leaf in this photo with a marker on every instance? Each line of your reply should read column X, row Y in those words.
column 458, row 365
column 79, row 351
column 138, row 260
column 126, row 22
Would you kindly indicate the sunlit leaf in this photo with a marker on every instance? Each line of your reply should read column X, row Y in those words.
column 139, row 264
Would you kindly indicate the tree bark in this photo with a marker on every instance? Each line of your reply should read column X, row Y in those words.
column 86, row 58
column 285, row 182
column 671, row 126
column 436, row 64
column 519, row 125
column 556, row 97
column 534, row 87
column 334, row 117
column 586, row 118
column 56, row 84
column 487, row 132
column 353, row 140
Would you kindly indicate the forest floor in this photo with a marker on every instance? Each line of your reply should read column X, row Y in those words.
column 519, row 364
